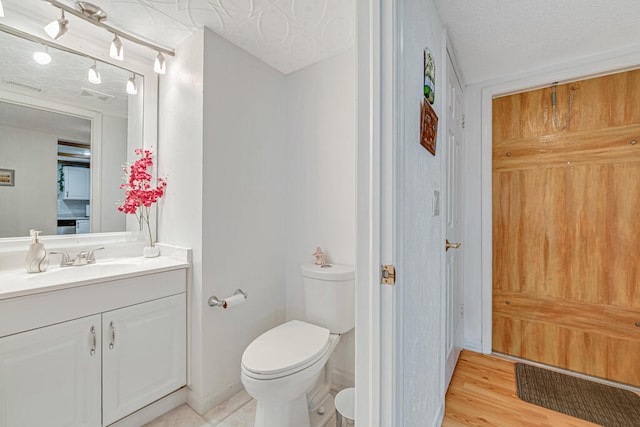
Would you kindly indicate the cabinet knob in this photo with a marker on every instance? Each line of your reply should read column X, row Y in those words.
column 92, row 331
column 112, row 342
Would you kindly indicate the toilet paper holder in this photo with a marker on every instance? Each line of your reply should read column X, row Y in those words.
column 215, row 302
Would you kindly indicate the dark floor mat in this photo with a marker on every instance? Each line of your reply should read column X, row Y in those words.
column 588, row 400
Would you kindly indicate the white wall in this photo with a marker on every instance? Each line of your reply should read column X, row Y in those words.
column 321, row 179
column 32, row 202
column 114, row 150
column 420, row 239
column 244, row 204
column 180, row 212
column 223, row 147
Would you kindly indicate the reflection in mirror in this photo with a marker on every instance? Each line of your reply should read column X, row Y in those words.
column 65, row 138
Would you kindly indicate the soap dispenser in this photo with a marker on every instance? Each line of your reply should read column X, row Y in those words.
column 37, row 260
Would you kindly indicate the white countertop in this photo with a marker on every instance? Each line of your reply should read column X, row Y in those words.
column 15, row 283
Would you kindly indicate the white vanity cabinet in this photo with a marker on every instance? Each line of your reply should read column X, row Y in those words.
column 51, row 376
column 77, row 183
column 144, row 355
column 90, row 355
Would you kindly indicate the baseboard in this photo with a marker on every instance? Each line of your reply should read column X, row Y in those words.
column 473, row 345
column 437, row 422
column 153, row 410
column 342, row 379
column 202, row 404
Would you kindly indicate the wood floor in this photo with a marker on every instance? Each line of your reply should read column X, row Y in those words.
column 483, row 393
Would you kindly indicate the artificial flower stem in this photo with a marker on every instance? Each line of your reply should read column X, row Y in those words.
column 145, row 216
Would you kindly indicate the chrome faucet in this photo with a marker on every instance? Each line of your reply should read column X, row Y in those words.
column 82, row 258
column 64, row 260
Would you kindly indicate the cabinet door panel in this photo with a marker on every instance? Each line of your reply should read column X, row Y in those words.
column 48, row 376
column 77, row 184
column 144, row 355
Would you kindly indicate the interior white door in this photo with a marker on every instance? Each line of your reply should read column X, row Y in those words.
column 454, row 309
column 51, row 376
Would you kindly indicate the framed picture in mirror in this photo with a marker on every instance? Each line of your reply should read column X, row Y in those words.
column 7, row 177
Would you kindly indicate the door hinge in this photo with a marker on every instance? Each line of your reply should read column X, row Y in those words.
column 463, row 121
column 388, row 275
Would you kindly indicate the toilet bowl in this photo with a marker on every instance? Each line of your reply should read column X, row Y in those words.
column 282, row 366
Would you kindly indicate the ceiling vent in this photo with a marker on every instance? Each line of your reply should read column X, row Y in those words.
column 104, row 97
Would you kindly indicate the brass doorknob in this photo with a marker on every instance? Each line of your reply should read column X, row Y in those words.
column 452, row 245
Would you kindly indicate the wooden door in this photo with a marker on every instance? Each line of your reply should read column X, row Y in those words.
column 566, row 228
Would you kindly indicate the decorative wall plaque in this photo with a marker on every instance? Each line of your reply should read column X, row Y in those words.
column 428, row 127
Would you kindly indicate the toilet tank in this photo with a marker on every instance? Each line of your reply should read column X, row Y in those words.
column 330, row 296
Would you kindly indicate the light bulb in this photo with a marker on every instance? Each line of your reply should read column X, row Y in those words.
column 1, row 10
column 94, row 75
column 116, row 51
column 56, row 28
column 132, row 87
column 160, row 66
column 42, row 57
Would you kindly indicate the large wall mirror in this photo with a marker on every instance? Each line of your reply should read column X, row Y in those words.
column 63, row 139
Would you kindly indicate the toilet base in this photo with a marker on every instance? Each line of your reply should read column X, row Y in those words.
column 292, row 413
column 317, row 420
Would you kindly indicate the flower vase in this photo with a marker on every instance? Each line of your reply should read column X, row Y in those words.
column 150, row 251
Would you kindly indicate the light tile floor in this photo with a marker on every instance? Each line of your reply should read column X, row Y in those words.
column 237, row 411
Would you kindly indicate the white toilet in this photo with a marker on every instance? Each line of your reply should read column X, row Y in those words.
column 281, row 367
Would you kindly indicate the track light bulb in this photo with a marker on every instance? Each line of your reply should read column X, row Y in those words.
column 117, row 50
column 56, row 28
column 132, row 87
column 94, row 75
column 160, row 66
column 42, row 57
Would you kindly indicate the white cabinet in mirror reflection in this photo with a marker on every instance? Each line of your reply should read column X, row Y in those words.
column 82, row 226
column 76, row 183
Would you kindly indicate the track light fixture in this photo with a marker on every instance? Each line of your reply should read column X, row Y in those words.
column 159, row 65
column 96, row 16
column 56, row 28
column 116, row 51
column 132, row 87
column 42, row 57
column 94, row 75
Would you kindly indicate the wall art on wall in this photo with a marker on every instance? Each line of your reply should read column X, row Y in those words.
column 429, row 76
column 428, row 127
column 7, row 177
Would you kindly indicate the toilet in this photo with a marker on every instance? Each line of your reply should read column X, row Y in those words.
column 281, row 369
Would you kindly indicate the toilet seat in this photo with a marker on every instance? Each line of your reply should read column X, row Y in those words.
column 285, row 350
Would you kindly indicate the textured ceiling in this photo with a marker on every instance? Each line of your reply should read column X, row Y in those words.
column 493, row 38
column 286, row 34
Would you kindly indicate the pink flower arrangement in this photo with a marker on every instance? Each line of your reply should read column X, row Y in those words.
column 139, row 194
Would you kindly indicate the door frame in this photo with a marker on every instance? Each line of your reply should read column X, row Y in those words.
column 374, row 303
column 611, row 62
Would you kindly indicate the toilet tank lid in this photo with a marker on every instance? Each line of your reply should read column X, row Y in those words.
column 329, row 271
